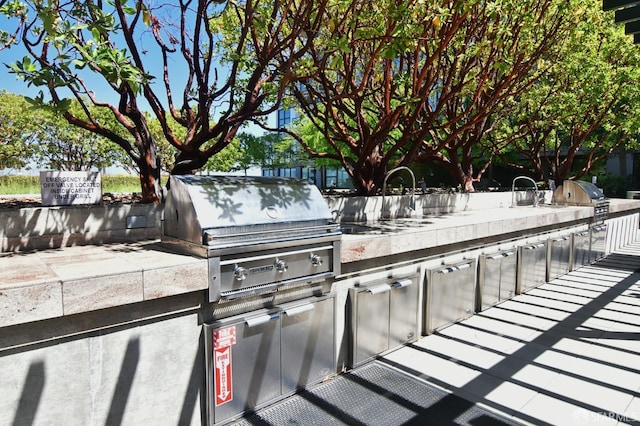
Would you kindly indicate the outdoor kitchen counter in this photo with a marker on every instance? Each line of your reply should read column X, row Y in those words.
column 58, row 282
column 382, row 239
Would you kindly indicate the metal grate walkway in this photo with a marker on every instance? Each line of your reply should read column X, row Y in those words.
column 375, row 394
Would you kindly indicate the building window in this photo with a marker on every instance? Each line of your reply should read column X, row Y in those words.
column 309, row 174
column 284, row 117
column 331, row 178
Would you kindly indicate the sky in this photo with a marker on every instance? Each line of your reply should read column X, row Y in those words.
column 11, row 83
column 153, row 65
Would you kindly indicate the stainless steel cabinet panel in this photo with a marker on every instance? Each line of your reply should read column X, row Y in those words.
column 370, row 322
column 384, row 315
column 308, row 342
column 508, row 274
column 580, row 253
column 558, row 257
column 532, row 266
column 450, row 294
column 403, row 317
column 243, row 363
column 259, row 357
column 496, row 278
column 598, row 242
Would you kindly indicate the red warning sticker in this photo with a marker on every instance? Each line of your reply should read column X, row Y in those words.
column 223, row 339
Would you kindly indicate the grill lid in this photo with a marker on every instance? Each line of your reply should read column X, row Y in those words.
column 200, row 208
column 578, row 192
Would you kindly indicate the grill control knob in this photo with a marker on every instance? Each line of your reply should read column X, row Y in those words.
column 240, row 273
column 281, row 265
column 316, row 260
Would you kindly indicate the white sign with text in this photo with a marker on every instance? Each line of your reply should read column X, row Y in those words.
column 66, row 188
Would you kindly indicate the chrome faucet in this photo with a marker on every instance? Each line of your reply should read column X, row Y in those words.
column 536, row 198
column 412, row 206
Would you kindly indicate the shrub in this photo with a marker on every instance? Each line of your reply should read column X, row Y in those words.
column 16, row 184
column 615, row 186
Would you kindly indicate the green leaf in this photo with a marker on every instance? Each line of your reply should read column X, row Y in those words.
column 146, row 15
column 64, row 105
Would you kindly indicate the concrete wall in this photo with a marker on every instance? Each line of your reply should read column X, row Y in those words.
column 363, row 209
column 140, row 364
column 53, row 227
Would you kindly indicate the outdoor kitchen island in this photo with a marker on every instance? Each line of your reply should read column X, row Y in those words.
column 115, row 333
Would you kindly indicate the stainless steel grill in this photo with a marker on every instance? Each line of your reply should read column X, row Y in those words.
column 581, row 193
column 259, row 233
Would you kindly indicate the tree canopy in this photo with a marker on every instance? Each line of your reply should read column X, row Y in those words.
column 389, row 83
column 584, row 107
column 31, row 135
column 385, row 83
column 169, row 59
column 16, row 131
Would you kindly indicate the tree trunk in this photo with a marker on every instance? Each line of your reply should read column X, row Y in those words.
column 467, row 184
column 150, row 184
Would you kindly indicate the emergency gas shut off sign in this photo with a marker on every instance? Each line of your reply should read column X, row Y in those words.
column 66, row 188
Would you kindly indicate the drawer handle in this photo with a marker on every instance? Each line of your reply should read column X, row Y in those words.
column 297, row 310
column 535, row 246
column 260, row 319
column 455, row 268
column 379, row 288
column 403, row 283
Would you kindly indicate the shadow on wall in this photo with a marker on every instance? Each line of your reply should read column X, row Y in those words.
column 125, row 382
column 31, row 395
column 53, row 227
column 55, row 390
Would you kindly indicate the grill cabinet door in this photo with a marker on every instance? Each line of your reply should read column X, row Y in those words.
column 580, row 250
column 488, row 281
column 384, row 315
column 598, row 242
column 559, row 256
column 532, row 266
column 370, row 321
column 243, row 365
column 308, row 342
column 450, row 295
column 508, row 269
column 496, row 278
column 403, row 315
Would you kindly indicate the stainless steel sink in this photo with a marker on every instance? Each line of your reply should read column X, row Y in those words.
column 386, row 226
column 407, row 222
column 553, row 206
column 357, row 228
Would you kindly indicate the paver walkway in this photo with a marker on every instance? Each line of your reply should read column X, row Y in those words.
column 564, row 353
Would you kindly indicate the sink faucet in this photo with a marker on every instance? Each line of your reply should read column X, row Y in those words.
column 412, row 206
column 536, row 199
